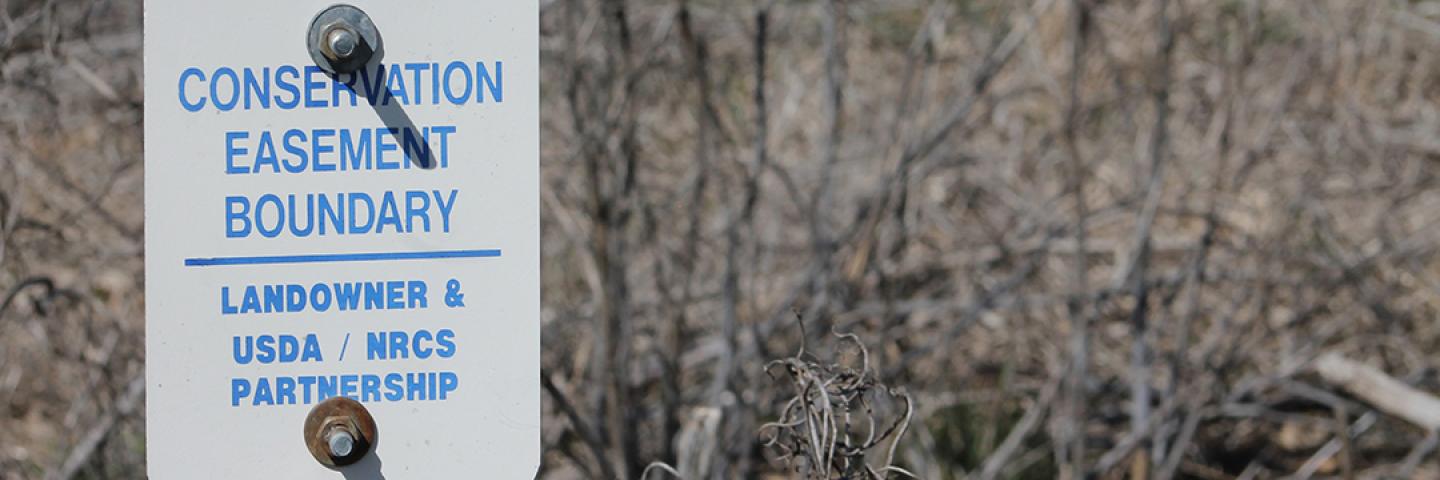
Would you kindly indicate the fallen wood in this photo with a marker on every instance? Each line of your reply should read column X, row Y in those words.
column 1382, row 391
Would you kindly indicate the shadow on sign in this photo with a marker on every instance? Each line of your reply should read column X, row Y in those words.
column 367, row 468
column 399, row 123
column 390, row 111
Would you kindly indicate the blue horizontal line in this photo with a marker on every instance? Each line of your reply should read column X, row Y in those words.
column 339, row 258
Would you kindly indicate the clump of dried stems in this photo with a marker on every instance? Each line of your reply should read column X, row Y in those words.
column 831, row 428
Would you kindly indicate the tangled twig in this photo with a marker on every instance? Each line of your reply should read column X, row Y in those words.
column 831, row 428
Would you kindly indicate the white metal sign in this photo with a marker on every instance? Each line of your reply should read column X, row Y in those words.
column 371, row 235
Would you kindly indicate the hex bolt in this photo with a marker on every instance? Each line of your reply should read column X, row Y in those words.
column 341, row 442
column 342, row 41
column 339, row 432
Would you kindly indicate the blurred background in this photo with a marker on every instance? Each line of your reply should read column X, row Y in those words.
column 863, row 239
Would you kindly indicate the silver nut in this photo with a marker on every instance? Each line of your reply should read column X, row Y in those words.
column 342, row 39
column 341, row 442
column 342, row 42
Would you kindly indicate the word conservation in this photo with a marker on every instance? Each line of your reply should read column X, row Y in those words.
column 289, row 87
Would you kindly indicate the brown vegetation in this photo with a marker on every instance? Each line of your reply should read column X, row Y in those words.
column 1071, row 238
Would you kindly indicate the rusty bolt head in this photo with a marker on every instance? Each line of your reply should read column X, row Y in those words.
column 341, row 442
column 340, row 432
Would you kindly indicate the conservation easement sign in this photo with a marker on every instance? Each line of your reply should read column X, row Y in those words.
column 342, row 205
